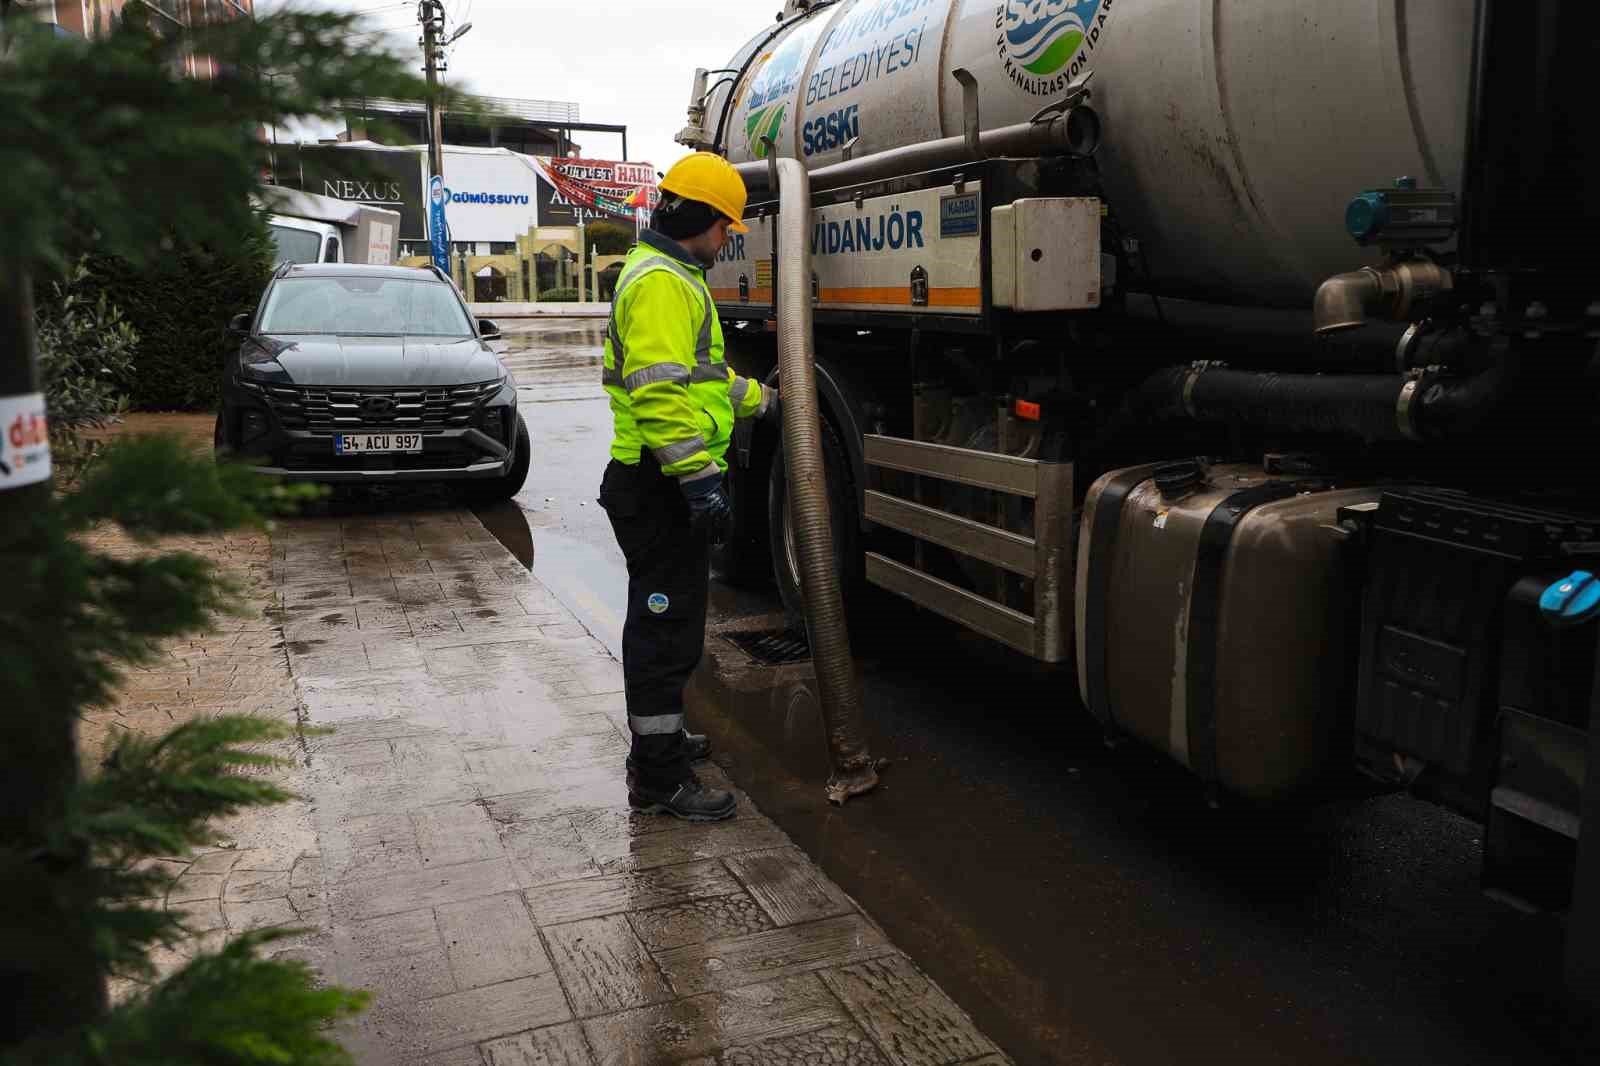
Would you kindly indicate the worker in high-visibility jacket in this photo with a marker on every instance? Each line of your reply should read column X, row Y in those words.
column 673, row 403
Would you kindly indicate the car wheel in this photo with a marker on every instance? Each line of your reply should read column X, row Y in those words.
column 220, row 449
column 507, row 485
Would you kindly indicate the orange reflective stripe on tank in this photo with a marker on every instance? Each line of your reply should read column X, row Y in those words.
column 881, row 295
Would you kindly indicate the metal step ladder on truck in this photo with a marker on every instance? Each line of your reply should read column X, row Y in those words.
column 1243, row 355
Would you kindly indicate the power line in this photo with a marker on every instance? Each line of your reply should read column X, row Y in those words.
column 397, row 32
column 378, row 7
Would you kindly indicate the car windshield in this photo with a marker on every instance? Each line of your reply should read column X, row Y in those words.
column 296, row 245
column 369, row 306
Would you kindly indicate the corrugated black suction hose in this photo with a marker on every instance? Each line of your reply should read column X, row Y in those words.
column 1373, row 407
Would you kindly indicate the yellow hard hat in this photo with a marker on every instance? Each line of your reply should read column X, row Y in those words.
column 711, row 179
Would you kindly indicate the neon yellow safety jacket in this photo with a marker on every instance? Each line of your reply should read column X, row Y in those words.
column 670, row 389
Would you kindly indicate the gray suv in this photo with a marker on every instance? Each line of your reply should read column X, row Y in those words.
column 366, row 373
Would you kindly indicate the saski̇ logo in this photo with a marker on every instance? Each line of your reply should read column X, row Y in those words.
column 1042, row 36
column 774, row 80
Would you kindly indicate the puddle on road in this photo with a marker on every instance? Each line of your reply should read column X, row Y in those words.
column 586, row 579
column 545, row 352
column 589, row 582
column 509, row 526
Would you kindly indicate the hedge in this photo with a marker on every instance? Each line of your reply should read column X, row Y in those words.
column 610, row 238
column 558, row 296
column 179, row 305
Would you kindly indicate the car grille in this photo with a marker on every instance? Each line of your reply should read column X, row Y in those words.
column 329, row 410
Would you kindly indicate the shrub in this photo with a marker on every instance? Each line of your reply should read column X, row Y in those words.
column 179, row 304
column 85, row 353
column 558, row 296
column 610, row 238
column 78, row 618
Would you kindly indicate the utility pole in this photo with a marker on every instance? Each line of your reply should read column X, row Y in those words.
column 583, row 262
column 431, row 14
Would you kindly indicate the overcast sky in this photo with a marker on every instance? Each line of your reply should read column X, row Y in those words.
column 624, row 62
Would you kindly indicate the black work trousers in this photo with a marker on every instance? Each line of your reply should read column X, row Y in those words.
column 669, row 574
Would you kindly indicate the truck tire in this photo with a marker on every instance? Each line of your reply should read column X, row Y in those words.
column 746, row 559
column 507, row 485
column 843, row 514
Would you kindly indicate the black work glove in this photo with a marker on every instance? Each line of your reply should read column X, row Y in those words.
column 710, row 512
column 774, row 411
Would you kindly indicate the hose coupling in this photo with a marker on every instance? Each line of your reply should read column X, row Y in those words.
column 1073, row 125
column 1407, row 403
column 1198, row 367
column 1351, row 300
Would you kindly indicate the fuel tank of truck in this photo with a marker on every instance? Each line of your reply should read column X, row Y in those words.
column 1234, row 131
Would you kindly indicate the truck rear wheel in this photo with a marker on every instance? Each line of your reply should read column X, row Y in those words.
column 744, row 559
column 843, row 515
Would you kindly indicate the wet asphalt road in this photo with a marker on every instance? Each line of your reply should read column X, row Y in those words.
column 1084, row 904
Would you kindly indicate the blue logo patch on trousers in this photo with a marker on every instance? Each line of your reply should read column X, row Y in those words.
column 657, row 602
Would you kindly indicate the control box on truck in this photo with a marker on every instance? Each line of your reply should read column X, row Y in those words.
column 1143, row 350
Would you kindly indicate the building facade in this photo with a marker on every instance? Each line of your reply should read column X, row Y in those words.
column 90, row 18
column 518, row 224
column 527, row 127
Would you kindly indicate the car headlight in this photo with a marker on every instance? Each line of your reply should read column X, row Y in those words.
column 258, row 350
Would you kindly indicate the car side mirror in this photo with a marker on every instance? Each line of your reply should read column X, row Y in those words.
column 487, row 330
column 239, row 324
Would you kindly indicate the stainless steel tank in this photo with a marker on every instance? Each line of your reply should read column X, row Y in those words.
column 1235, row 131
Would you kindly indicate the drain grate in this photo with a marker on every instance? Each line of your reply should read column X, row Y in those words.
column 771, row 647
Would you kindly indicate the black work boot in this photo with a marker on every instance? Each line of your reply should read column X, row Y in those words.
column 691, row 800
column 696, row 745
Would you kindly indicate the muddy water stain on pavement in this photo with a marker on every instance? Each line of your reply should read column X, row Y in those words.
column 480, row 869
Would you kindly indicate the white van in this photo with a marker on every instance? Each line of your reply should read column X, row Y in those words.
column 308, row 228
column 301, row 240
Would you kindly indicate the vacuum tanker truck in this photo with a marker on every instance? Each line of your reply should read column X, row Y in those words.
column 1241, row 356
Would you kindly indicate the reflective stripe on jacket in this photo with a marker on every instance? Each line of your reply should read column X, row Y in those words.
column 670, row 389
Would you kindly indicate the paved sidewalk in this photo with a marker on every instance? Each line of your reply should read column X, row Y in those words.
column 477, row 865
column 260, row 868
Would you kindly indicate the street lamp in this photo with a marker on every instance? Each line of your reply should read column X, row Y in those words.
column 460, row 32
